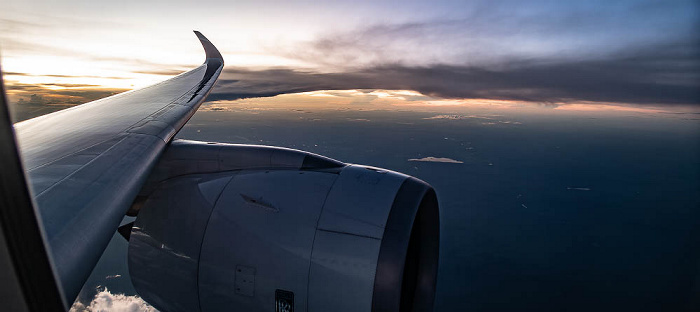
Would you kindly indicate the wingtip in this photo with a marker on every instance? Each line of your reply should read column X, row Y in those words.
column 209, row 48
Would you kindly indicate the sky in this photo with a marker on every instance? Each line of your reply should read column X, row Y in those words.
column 461, row 58
column 548, row 53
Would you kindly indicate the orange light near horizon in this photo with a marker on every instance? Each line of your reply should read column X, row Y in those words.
column 380, row 99
column 590, row 107
column 363, row 99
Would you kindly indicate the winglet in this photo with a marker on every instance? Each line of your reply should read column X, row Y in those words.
column 209, row 47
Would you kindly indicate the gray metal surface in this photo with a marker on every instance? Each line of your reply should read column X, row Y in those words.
column 360, row 201
column 27, row 282
column 342, row 272
column 188, row 157
column 244, row 223
column 273, row 235
column 348, row 239
column 86, row 164
column 171, row 245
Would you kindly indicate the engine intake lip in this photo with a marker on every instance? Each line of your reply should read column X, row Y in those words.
column 407, row 266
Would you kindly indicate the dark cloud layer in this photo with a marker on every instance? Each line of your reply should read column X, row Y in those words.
column 638, row 52
column 663, row 74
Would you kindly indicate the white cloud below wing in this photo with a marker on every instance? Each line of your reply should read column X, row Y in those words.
column 107, row 301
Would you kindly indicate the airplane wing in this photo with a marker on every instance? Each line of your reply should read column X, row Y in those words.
column 87, row 163
column 218, row 226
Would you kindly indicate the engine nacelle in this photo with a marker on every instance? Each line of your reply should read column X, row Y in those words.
column 256, row 228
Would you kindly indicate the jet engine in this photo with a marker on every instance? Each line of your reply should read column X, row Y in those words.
column 226, row 227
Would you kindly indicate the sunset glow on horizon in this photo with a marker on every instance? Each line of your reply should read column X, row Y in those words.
column 459, row 53
column 402, row 100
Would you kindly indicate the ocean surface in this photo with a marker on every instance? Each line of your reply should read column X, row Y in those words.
column 541, row 209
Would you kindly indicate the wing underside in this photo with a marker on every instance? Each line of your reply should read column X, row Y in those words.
column 86, row 164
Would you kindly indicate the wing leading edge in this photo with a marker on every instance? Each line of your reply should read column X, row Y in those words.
column 86, row 164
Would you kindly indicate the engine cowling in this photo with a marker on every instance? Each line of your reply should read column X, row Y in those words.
column 257, row 228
